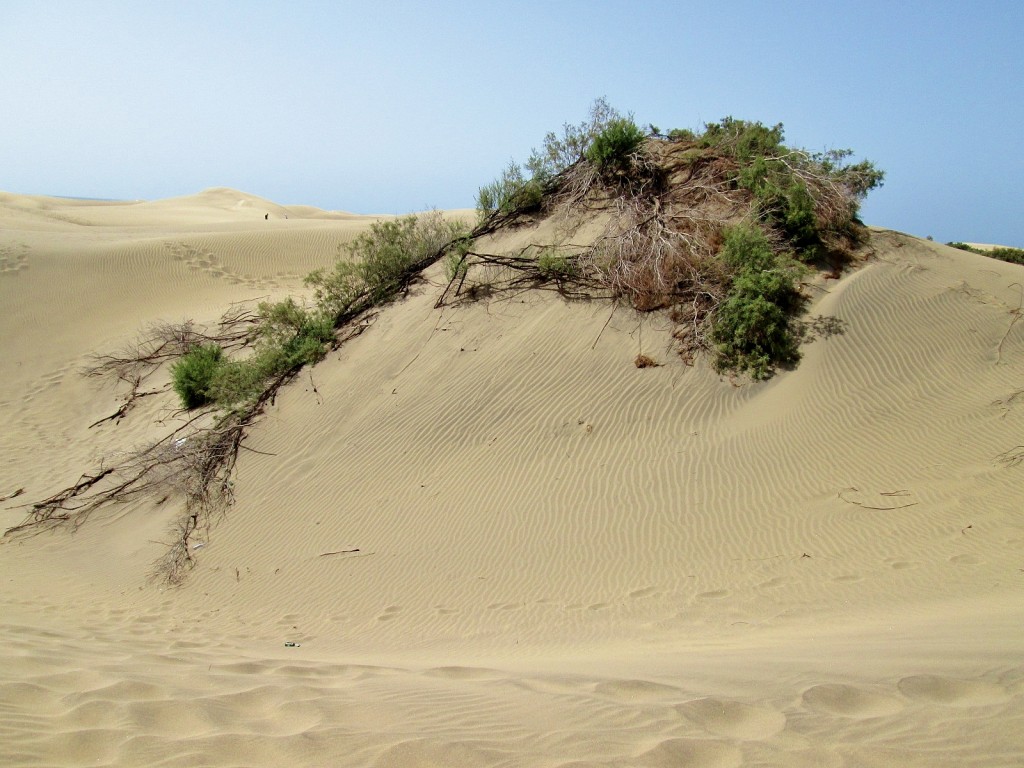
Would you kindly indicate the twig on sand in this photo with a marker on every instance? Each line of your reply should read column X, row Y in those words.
column 862, row 505
column 1016, row 313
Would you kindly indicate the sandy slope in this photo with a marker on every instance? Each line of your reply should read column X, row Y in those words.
column 545, row 555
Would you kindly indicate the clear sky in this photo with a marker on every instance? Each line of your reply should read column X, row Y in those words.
column 391, row 107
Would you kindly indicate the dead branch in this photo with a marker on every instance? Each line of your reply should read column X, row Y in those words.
column 1015, row 313
column 878, row 509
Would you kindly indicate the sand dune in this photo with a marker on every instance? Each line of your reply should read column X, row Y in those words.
column 492, row 540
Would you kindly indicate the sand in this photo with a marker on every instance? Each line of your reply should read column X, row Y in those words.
column 544, row 555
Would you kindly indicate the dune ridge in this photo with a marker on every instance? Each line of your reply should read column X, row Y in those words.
column 487, row 538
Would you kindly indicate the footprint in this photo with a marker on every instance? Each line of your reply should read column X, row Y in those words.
column 637, row 690
column 691, row 752
column 636, row 594
column 964, row 560
column 951, row 691
column 849, row 701
column 902, row 565
column 13, row 259
column 504, row 606
column 733, row 719
column 716, row 594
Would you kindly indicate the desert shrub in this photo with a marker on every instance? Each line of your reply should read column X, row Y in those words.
column 376, row 263
column 553, row 265
column 682, row 134
column 611, row 148
column 288, row 336
column 511, row 191
column 964, row 247
column 742, row 139
column 1012, row 255
column 559, row 152
column 744, row 246
column 194, row 372
column 752, row 329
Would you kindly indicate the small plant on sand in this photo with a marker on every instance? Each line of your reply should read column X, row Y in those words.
column 559, row 152
column 611, row 149
column 288, row 336
column 553, row 265
column 510, row 192
column 372, row 267
column 193, row 374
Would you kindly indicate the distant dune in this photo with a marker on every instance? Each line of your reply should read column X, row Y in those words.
column 480, row 535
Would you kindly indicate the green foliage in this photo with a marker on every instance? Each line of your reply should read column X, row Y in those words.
column 379, row 261
column 558, row 153
column 612, row 147
column 193, row 374
column 288, row 337
column 742, row 139
column 510, row 192
column 745, row 247
column 515, row 191
column 553, row 265
column 752, row 328
column 965, row 247
column 682, row 134
column 1012, row 255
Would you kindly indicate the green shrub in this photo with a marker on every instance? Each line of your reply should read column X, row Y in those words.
column 378, row 261
column 611, row 148
column 1012, row 255
column 745, row 247
column 559, row 153
column 682, row 134
column 288, row 337
column 553, row 265
column 752, row 329
column 194, row 372
column 964, row 247
column 742, row 139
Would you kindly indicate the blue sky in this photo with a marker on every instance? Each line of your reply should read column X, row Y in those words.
column 399, row 106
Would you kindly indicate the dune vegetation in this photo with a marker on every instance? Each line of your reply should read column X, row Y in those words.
column 718, row 227
column 1012, row 255
column 715, row 229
